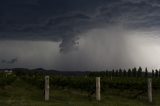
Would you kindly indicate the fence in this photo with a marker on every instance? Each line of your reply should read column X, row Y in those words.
column 98, row 89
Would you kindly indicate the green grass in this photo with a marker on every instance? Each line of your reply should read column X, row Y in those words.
column 23, row 94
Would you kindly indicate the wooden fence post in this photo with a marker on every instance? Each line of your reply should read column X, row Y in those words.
column 150, row 90
column 46, row 88
column 98, row 89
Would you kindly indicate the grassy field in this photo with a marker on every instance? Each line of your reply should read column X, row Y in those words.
column 21, row 93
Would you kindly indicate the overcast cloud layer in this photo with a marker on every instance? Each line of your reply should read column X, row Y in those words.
column 82, row 29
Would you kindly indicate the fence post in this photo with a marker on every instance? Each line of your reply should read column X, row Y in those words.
column 46, row 88
column 98, row 89
column 150, row 90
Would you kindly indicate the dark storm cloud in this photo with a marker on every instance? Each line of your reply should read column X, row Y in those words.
column 63, row 20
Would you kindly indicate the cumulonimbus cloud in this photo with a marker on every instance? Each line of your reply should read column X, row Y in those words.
column 64, row 20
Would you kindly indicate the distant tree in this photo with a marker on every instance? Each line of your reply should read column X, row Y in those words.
column 156, row 73
column 120, row 72
column 153, row 73
column 113, row 72
column 107, row 73
column 159, row 73
column 124, row 73
column 134, row 72
column 129, row 73
column 116, row 73
column 102, row 73
column 146, row 72
column 110, row 73
column 139, row 72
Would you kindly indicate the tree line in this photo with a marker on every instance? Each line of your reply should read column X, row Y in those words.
column 134, row 72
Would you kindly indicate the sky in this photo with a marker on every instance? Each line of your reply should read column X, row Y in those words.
column 79, row 35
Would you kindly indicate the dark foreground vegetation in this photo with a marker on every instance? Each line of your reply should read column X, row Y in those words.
column 118, row 88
